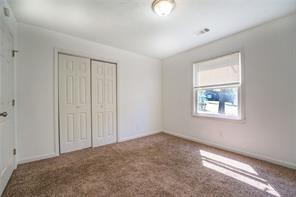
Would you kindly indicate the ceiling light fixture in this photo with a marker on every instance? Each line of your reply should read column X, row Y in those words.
column 163, row 7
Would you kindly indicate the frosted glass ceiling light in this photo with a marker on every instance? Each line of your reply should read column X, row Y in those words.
column 163, row 7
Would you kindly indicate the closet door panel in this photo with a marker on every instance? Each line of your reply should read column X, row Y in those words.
column 103, row 103
column 110, row 99
column 74, row 103
column 83, row 106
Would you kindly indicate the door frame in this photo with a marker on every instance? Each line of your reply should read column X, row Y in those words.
column 58, row 51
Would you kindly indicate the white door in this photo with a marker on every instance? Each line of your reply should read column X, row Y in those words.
column 74, row 103
column 104, row 112
column 7, row 142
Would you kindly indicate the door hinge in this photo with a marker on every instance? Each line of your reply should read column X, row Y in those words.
column 14, row 151
column 14, row 52
column 13, row 102
column 6, row 12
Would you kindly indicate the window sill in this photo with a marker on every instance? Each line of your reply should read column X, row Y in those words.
column 219, row 117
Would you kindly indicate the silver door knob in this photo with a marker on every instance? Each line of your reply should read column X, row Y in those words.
column 4, row 114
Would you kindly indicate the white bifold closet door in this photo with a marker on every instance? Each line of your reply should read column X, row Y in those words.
column 104, row 113
column 74, row 103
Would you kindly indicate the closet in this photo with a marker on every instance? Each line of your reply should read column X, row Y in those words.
column 87, row 103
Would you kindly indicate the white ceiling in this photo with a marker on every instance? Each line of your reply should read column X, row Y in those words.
column 133, row 26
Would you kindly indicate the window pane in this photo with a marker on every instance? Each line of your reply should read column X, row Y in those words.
column 218, row 71
column 217, row 101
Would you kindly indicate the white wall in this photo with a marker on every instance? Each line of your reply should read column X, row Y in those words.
column 269, row 131
column 139, row 91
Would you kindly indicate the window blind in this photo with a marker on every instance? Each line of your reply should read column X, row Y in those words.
column 219, row 71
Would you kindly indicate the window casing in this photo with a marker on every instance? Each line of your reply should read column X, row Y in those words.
column 217, row 87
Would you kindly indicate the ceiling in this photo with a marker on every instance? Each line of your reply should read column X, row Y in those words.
column 133, row 26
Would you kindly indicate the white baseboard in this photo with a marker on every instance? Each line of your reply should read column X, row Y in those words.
column 46, row 156
column 6, row 174
column 138, row 136
column 241, row 152
column 227, row 148
column 37, row 158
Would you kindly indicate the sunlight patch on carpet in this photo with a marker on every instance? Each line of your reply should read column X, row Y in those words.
column 237, row 170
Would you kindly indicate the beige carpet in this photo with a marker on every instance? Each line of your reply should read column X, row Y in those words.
column 158, row 165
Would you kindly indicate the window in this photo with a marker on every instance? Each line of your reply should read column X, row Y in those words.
column 217, row 87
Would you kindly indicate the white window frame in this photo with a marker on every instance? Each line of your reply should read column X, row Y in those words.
column 239, row 85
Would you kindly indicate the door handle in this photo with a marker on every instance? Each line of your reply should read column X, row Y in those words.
column 4, row 114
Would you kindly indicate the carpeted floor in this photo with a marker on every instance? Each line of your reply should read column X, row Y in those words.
column 158, row 165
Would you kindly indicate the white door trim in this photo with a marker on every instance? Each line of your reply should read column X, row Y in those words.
column 56, row 89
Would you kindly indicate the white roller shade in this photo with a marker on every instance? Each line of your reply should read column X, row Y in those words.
column 218, row 71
